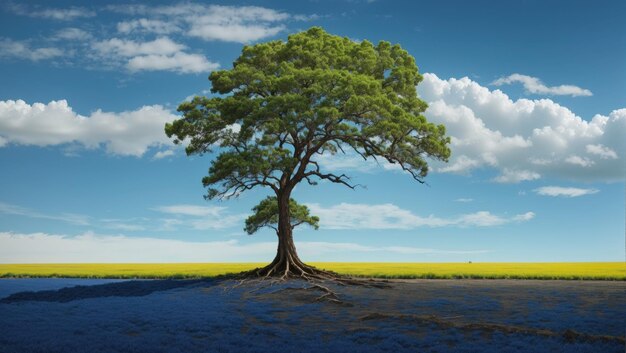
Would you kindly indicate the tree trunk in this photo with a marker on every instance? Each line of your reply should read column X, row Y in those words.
column 287, row 263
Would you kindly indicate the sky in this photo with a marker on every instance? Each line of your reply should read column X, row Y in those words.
column 532, row 95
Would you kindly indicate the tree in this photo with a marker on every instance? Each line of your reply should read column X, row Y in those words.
column 286, row 103
column 266, row 215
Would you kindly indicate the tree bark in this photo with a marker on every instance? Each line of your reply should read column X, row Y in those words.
column 287, row 263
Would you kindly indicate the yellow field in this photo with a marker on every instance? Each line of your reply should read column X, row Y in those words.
column 577, row 270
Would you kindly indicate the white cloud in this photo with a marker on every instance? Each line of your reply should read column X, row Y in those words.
column 524, row 217
column 130, row 48
column 522, row 139
column 191, row 210
column 480, row 219
column 71, row 218
column 389, row 216
column 161, row 54
column 126, row 227
column 233, row 32
column 516, row 176
column 534, row 85
column 179, row 62
column 464, row 200
column 241, row 24
column 602, row 151
column 128, row 133
column 163, row 154
column 22, row 50
column 71, row 33
column 564, row 191
column 91, row 247
column 577, row 160
column 235, row 24
column 147, row 25
column 201, row 217
column 132, row 224
column 310, row 249
column 460, row 165
column 67, row 14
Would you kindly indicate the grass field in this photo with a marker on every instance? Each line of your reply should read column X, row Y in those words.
column 570, row 271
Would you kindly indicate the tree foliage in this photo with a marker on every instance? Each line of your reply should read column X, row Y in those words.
column 266, row 215
column 286, row 103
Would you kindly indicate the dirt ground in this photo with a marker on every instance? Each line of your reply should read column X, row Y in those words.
column 228, row 316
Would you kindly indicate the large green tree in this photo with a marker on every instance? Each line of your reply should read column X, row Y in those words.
column 286, row 103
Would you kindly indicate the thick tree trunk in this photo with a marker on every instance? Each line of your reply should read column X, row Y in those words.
column 287, row 263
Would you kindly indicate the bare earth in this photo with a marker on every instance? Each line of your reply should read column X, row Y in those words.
column 226, row 316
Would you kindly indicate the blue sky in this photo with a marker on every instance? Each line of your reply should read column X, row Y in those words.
column 532, row 94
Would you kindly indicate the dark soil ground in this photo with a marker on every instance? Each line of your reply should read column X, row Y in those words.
column 293, row 316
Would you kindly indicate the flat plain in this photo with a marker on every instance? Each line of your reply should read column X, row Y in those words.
column 221, row 315
column 571, row 271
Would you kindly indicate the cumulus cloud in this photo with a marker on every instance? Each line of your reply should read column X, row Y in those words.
column 534, row 85
column 523, row 139
column 557, row 191
column 390, row 216
column 241, row 24
column 156, row 55
column 22, row 50
column 128, row 133
column 92, row 247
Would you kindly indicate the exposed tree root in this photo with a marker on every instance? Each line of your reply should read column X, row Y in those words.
column 279, row 271
column 291, row 268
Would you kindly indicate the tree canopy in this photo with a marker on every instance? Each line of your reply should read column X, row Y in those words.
column 283, row 104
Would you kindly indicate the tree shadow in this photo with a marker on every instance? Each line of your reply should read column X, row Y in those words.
column 135, row 288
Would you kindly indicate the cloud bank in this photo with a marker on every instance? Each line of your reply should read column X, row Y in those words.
column 523, row 139
column 90, row 247
column 390, row 216
column 128, row 133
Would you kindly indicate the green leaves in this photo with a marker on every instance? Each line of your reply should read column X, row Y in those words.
column 266, row 215
column 293, row 101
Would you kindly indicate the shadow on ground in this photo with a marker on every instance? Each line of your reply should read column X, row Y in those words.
column 135, row 288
